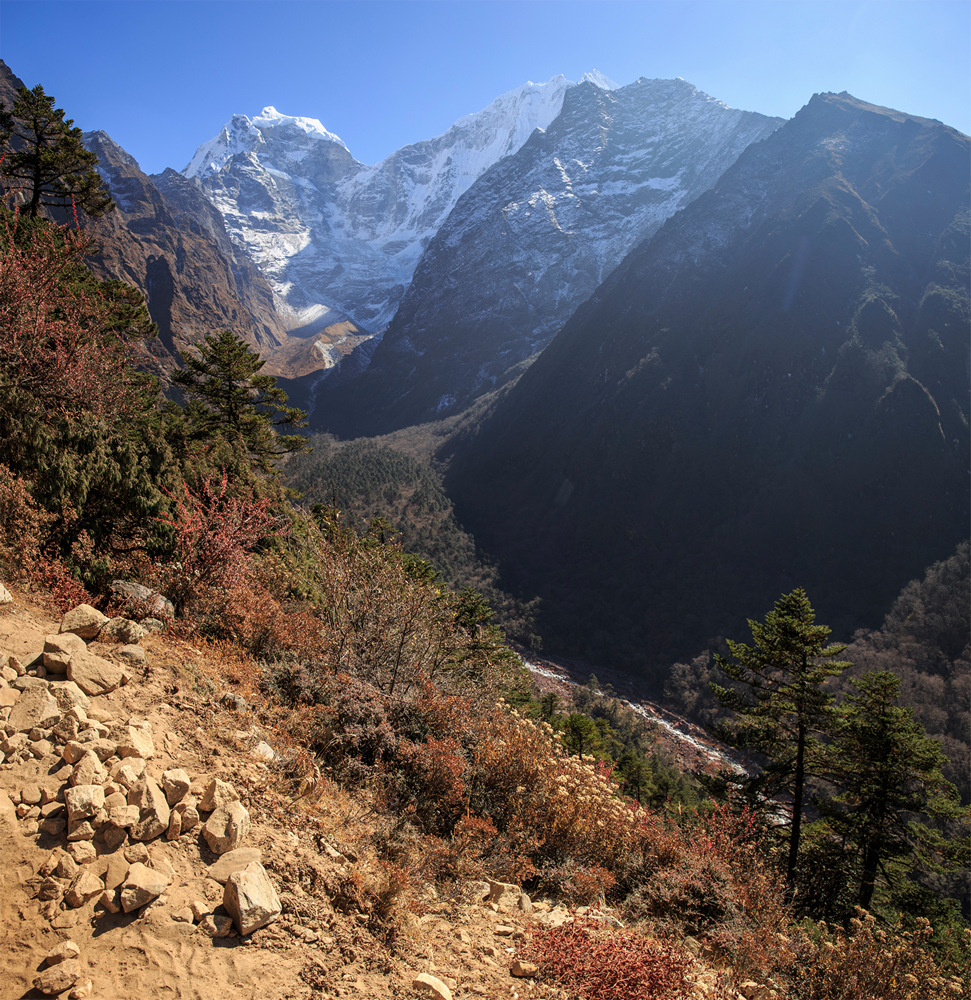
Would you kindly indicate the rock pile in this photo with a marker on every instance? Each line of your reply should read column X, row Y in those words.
column 98, row 798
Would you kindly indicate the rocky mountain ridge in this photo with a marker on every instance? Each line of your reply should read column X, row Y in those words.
column 533, row 238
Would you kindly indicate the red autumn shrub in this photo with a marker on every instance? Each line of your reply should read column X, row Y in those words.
column 603, row 963
column 215, row 530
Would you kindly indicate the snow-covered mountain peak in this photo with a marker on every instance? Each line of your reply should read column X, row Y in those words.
column 598, row 79
column 238, row 135
column 248, row 135
column 270, row 118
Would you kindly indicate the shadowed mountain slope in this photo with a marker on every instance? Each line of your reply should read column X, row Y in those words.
column 771, row 392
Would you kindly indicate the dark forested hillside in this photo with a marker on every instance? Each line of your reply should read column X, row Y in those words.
column 772, row 392
column 925, row 640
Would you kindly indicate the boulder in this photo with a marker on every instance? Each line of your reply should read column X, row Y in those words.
column 506, row 897
column 94, row 675
column 234, row 861
column 218, row 793
column 251, row 899
column 123, row 630
column 135, row 596
column 68, row 695
column 88, row 770
column 142, row 885
column 226, row 828
column 136, row 741
column 128, row 771
column 154, row 812
column 84, row 621
column 58, row 978
column 62, row 952
column 35, row 708
column 176, row 784
column 84, row 886
column 83, row 801
column 58, row 650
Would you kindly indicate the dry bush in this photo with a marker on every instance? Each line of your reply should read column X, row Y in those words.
column 23, row 527
column 599, row 963
column 867, row 961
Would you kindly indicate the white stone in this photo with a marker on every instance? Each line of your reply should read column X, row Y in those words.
column 226, row 828
column 83, row 801
column 94, row 675
column 136, row 741
column 431, row 986
column 142, row 885
column 154, row 810
column 176, row 784
column 251, row 899
column 34, row 708
column 218, row 793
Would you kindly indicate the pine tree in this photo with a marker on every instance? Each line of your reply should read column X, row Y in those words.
column 45, row 159
column 228, row 397
column 781, row 706
column 889, row 775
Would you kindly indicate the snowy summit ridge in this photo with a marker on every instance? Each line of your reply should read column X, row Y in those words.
column 334, row 237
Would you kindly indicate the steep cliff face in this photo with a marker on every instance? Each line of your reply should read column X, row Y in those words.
column 533, row 238
column 770, row 392
column 172, row 249
column 338, row 239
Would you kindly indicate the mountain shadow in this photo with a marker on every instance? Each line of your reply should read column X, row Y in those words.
column 771, row 392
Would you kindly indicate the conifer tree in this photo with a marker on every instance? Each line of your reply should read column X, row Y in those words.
column 781, row 707
column 889, row 775
column 228, row 397
column 45, row 160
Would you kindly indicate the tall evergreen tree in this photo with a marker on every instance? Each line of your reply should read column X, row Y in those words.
column 889, row 775
column 781, row 707
column 228, row 397
column 44, row 159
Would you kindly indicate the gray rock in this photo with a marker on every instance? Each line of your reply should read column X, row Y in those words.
column 137, row 596
column 123, row 630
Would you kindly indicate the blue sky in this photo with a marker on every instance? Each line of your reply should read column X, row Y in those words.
column 162, row 77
